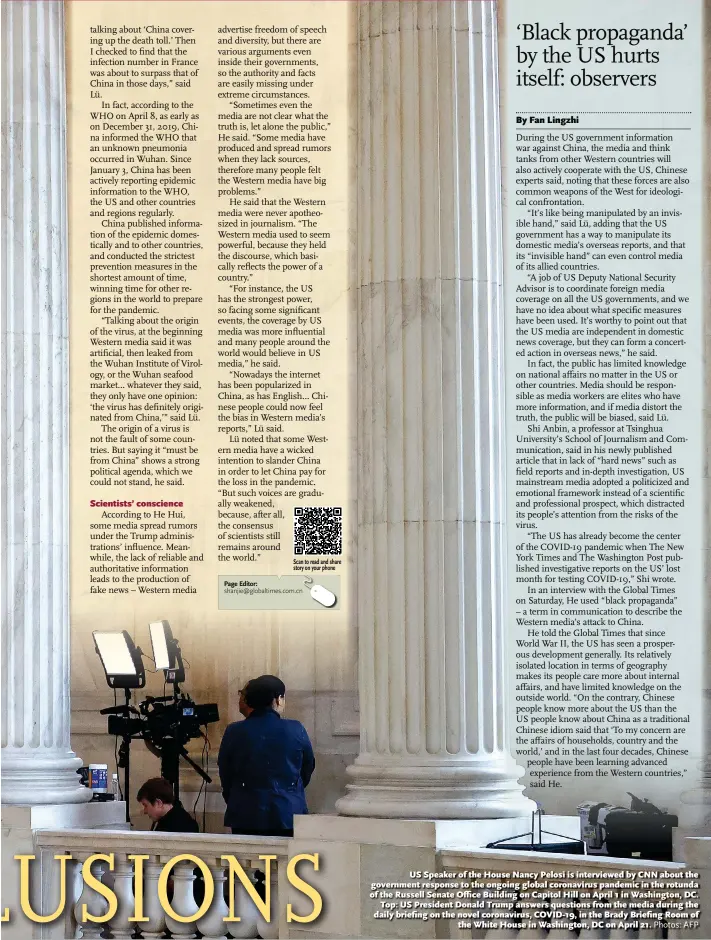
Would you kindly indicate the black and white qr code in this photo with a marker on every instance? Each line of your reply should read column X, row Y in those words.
column 318, row 530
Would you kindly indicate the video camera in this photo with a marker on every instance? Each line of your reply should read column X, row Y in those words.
column 162, row 718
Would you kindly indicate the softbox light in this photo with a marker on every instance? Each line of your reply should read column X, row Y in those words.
column 121, row 660
column 161, row 635
column 166, row 651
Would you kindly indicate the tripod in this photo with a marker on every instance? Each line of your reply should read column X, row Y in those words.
column 170, row 753
column 124, row 751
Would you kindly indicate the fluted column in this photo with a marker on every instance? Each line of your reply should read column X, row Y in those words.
column 431, row 560
column 38, row 765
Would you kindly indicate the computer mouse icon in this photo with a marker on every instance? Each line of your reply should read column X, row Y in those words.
column 323, row 595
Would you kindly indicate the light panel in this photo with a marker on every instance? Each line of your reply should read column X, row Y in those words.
column 160, row 635
column 115, row 654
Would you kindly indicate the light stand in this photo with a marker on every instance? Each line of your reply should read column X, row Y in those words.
column 168, row 657
column 123, row 666
column 124, row 755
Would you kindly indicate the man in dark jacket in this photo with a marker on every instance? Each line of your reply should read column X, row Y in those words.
column 265, row 762
column 159, row 804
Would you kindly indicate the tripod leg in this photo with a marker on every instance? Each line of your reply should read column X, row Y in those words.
column 127, row 766
column 125, row 762
column 127, row 781
column 170, row 767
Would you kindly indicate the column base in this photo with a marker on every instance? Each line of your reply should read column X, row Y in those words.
column 39, row 776
column 473, row 788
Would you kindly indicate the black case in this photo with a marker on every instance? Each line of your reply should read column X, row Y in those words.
column 648, row 835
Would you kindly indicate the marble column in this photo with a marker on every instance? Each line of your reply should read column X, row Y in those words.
column 431, row 491
column 38, row 765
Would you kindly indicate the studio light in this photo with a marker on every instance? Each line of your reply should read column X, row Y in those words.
column 159, row 631
column 121, row 660
column 166, row 652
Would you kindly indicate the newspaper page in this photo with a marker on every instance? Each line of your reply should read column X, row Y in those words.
column 604, row 280
column 355, row 475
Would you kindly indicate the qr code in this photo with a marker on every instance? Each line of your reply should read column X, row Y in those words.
column 318, row 530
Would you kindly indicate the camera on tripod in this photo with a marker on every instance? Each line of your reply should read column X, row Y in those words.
column 166, row 723
column 164, row 718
